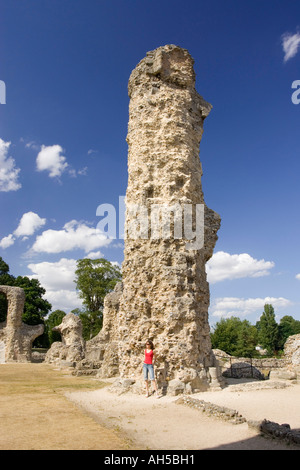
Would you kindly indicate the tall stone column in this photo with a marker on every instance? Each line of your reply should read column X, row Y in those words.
column 165, row 292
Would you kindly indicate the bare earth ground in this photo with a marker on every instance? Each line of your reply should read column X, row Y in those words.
column 45, row 408
column 161, row 424
column 36, row 415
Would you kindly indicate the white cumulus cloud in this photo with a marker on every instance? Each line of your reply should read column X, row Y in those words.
column 6, row 242
column 58, row 275
column 224, row 266
column 9, row 173
column 58, row 280
column 94, row 255
column 65, row 300
column 290, row 45
column 29, row 223
column 74, row 235
column 233, row 306
column 50, row 159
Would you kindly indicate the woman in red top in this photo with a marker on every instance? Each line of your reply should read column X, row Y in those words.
column 149, row 361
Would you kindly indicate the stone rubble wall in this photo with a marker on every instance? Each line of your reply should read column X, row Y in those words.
column 262, row 368
column 104, row 348
column 16, row 337
column 210, row 409
column 71, row 350
column 282, row 432
column 292, row 351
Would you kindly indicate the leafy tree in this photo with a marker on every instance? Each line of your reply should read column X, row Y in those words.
column 54, row 319
column 239, row 338
column 36, row 307
column 235, row 337
column 224, row 335
column 268, row 332
column 94, row 280
column 288, row 326
column 91, row 322
column 247, row 340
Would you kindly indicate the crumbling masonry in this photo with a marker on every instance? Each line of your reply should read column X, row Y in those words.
column 16, row 337
column 165, row 294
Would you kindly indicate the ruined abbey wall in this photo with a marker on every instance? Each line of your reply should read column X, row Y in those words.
column 16, row 337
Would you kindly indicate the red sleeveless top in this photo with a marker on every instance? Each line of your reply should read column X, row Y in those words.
column 148, row 357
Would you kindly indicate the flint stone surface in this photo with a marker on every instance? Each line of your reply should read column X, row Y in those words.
column 105, row 346
column 276, row 431
column 16, row 337
column 292, row 350
column 72, row 347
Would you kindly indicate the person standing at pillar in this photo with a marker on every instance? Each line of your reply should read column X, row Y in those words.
column 148, row 367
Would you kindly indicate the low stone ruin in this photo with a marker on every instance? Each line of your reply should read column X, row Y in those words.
column 211, row 409
column 88, row 358
column 103, row 350
column 282, row 432
column 16, row 337
column 286, row 367
column 71, row 349
column 290, row 367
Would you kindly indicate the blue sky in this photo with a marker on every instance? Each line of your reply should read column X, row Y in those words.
column 66, row 64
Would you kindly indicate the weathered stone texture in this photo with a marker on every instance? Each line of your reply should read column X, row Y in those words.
column 165, row 292
column 16, row 337
column 105, row 346
column 72, row 347
column 292, row 351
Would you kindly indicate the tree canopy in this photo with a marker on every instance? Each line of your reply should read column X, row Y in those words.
column 288, row 326
column 94, row 280
column 36, row 307
column 240, row 338
column 235, row 337
column 54, row 319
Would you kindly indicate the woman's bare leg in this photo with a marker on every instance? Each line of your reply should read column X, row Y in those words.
column 147, row 388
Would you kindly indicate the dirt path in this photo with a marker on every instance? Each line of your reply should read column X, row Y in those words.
column 36, row 415
column 162, row 424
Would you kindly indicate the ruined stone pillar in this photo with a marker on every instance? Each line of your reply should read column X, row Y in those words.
column 15, row 336
column 165, row 292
